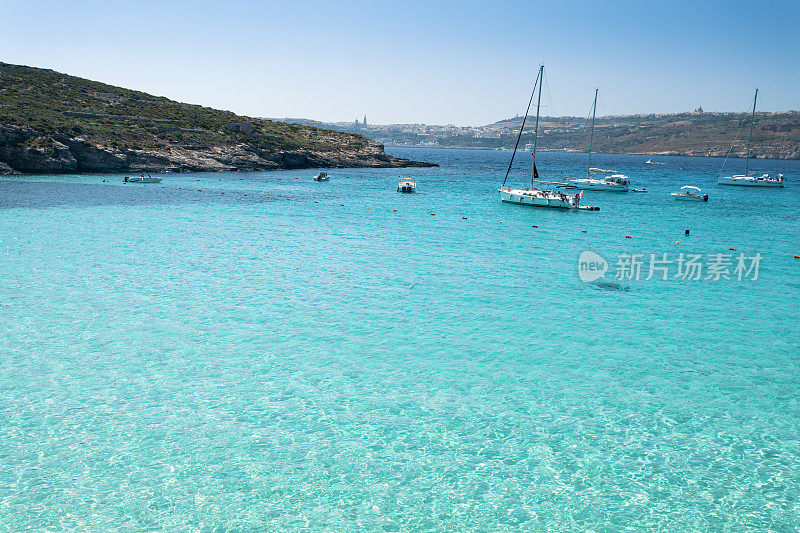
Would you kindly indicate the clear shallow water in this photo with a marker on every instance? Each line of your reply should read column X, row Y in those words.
column 175, row 358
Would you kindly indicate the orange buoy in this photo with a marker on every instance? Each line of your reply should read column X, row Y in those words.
column 463, row 218
column 500, row 222
column 627, row 236
column 432, row 214
column 734, row 249
column 583, row 231
column 245, row 195
column 223, row 192
column 797, row 257
column 534, row 226
column 316, row 202
column 199, row 190
column 394, row 210
column 341, row 205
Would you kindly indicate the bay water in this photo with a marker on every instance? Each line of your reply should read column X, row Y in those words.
column 259, row 351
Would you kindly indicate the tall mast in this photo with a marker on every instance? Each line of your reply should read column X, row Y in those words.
column 536, row 128
column 749, row 140
column 591, row 136
column 522, row 128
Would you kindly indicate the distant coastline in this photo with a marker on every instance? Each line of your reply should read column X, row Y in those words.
column 776, row 134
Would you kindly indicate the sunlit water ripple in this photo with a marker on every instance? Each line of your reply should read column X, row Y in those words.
column 180, row 358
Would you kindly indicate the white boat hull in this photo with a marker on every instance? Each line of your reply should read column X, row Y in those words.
column 142, row 180
column 752, row 181
column 585, row 186
column 690, row 197
column 537, row 198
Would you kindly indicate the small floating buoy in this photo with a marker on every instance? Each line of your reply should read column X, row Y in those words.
column 367, row 207
column 433, row 214
column 341, row 205
column 394, row 210
column 534, row 226
column 583, row 231
column 245, row 195
column 463, row 218
column 500, row 222
column 677, row 242
column 223, row 192
column 686, row 232
column 627, row 236
column 797, row 257
column 316, row 202
column 734, row 249
column 199, row 190
column 179, row 187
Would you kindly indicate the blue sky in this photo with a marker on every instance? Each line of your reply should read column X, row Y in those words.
column 421, row 61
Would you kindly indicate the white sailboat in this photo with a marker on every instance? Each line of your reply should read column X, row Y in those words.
column 613, row 182
column 534, row 196
column 746, row 180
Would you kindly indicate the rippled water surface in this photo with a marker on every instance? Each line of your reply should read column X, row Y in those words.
column 337, row 356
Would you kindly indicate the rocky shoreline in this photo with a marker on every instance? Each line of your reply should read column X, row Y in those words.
column 25, row 150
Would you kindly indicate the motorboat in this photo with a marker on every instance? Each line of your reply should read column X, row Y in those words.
column 141, row 179
column 406, row 186
column 322, row 176
column 614, row 182
column 690, row 193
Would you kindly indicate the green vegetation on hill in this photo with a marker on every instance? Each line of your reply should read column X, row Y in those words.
column 50, row 102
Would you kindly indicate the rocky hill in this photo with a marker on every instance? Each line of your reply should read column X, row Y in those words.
column 52, row 122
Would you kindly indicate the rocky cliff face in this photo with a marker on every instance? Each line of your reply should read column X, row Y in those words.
column 27, row 150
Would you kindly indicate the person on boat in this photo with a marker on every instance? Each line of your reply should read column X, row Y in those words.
column 125, row 180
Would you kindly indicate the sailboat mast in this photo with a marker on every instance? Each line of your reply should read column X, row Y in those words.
column 750, row 139
column 591, row 136
column 536, row 128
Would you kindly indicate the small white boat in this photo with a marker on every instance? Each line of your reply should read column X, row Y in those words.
column 746, row 180
column 690, row 193
column 406, row 186
column 614, row 183
column 649, row 162
column 322, row 176
column 141, row 179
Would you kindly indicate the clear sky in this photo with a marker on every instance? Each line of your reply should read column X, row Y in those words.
column 432, row 61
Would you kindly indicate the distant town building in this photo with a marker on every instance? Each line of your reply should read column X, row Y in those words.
column 365, row 121
column 699, row 109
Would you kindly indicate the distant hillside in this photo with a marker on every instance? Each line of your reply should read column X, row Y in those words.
column 776, row 135
column 52, row 122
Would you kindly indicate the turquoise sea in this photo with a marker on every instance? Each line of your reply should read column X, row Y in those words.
column 293, row 355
